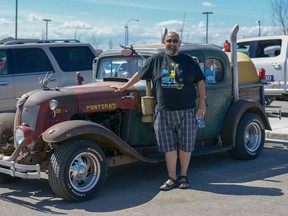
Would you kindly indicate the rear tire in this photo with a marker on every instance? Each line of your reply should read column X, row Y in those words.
column 77, row 170
column 250, row 137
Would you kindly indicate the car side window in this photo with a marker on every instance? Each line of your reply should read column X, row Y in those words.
column 3, row 63
column 73, row 58
column 244, row 47
column 31, row 60
column 214, row 71
column 268, row 48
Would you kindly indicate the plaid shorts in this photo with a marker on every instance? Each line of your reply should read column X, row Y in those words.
column 175, row 130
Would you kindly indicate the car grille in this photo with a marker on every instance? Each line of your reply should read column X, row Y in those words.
column 29, row 115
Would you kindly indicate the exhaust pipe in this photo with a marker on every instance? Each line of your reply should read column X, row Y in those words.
column 233, row 39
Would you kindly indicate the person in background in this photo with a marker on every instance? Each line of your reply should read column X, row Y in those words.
column 79, row 78
column 175, row 114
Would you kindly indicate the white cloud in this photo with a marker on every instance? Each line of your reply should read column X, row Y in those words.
column 33, row 17
column 4, row 22
column 75, row 24
column 208, row 4
column 201, row 25
column 169, row 23
column 246, row 32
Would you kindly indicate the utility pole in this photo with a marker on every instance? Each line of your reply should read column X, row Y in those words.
column 46, row 20
column 127, row 31
column 207, row 14
column 259, row 27
column 16, row 19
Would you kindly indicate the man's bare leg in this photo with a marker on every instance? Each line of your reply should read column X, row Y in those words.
column 184, row 163
column 171, row 164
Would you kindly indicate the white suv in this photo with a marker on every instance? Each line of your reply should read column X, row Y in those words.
column 270, row 53
column 23, row 63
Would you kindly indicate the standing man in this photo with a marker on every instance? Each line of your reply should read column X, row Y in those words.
column 174, row 76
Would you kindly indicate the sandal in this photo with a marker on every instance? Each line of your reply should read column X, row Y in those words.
column 183, row 182
column 166, row 187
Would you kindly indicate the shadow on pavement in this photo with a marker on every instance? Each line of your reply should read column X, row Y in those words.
column 136, row 184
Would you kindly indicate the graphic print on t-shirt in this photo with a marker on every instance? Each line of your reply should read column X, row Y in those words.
column 172, row 76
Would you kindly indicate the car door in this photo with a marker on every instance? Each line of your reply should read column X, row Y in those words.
column 218, row 91
column 31, row 66
column 7, row 92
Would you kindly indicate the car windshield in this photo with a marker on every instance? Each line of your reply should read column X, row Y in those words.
column 119, row 67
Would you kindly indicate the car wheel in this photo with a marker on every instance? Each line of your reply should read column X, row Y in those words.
column 77, row 170
column 250, row 137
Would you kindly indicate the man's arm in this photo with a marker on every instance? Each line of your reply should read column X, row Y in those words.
column 201, row 106
column 134, row 79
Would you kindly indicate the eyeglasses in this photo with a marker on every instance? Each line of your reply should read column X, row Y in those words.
column 170, row 41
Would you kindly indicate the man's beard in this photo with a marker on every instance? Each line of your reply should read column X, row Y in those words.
column 172, row 51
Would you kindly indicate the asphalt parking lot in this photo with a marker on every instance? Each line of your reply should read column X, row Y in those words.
column 220, row 185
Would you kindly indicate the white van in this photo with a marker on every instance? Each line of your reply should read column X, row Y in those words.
column 270, row 53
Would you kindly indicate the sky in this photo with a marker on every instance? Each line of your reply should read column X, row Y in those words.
column 102, row 22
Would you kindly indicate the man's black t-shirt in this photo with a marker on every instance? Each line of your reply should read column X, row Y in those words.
column 174, row 79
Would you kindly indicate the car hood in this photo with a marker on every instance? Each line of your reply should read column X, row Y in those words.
column 92, row 97
column 100, row 96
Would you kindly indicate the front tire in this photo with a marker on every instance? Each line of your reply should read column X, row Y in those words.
column 250, row 137
column 77, row 170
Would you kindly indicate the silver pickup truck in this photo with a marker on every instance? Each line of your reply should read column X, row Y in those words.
column 269, row 53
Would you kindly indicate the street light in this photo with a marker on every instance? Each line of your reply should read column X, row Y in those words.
column 16, row 19
column 207, row 14
column 126, row 30
column 76, row 29
column 46, row 20
column 259, row 24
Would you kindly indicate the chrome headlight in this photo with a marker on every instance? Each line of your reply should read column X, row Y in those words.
column 53, row 104
column 19, row 135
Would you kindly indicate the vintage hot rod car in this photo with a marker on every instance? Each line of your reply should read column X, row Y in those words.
column 75, row 133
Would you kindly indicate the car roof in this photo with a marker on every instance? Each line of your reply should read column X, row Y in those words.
column 42, row 43
column 148, row 49
column 263, row 38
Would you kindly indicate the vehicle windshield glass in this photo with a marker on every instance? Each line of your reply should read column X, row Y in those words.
column 124, row 67
column 243, row 47
column 76, row 58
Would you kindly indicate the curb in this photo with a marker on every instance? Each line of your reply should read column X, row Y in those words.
column 276, row 144
column 276, row 135
column 279, row 125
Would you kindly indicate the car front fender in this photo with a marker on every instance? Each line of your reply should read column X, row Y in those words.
column 92, row 131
